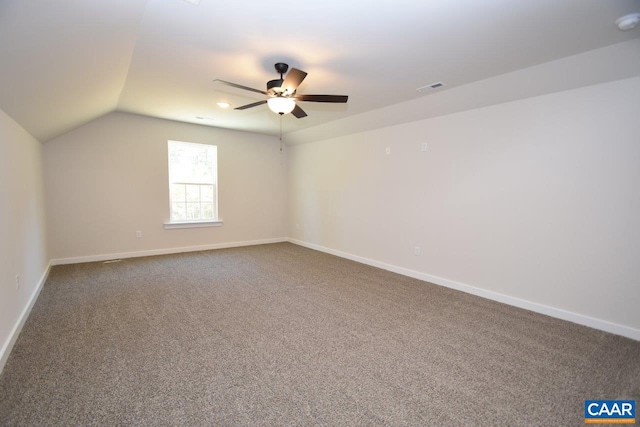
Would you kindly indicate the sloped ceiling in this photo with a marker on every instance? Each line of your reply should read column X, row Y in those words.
column 65, row 63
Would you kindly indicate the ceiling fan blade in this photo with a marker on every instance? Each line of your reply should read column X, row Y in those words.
column 239, row 86
column 293, row 80
column 323, row 98
column 299, row 112
column 255, row 104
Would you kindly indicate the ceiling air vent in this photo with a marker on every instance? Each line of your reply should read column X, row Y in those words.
column 432, row 86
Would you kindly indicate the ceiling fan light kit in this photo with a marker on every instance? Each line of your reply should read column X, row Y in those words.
column 281, row 105
column 282, row 93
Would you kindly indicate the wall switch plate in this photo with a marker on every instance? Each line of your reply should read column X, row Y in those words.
column 417, row 251
column 388, row 150
column 17, row 281
column 138, row 234
column 423, row 147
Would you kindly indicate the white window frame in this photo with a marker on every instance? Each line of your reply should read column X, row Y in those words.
column 216, row 221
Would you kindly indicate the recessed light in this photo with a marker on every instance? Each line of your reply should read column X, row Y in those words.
column 222, row 104
column 196, row 2
column 628, row 22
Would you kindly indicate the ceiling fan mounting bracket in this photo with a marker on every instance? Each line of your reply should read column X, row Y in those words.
column 281, row 68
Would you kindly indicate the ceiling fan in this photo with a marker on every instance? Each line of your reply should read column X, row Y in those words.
column 282, row 93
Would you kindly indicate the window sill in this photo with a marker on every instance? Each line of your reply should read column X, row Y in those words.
column 192, row 224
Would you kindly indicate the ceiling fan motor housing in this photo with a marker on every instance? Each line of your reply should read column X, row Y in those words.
column 274, row 87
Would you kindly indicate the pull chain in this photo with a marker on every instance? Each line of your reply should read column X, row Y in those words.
column 281, row 114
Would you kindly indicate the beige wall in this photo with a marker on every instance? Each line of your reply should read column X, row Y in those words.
column 109, row 178
column 22, row 226
column 537, row 199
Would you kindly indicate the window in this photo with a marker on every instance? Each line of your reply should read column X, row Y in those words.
column 193, row 182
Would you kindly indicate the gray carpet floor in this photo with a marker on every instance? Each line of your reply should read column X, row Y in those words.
column 284, row 335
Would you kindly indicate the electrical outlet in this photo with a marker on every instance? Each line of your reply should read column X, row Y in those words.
column 138, row 234
column 423, row 147
column 17, row 281
column 297, row 226
column 388, row 150
column 417, row 251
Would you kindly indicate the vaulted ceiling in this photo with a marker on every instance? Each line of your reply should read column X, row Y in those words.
column 64, row 63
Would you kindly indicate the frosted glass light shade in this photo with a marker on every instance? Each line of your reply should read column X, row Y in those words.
column 281, row 105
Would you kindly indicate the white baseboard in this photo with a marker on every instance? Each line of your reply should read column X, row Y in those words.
column 580, row 319
column 151, row 252
column 13, row 336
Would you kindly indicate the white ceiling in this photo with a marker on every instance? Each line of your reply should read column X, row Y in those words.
column 64, row 63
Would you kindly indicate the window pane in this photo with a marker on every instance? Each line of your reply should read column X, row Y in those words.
column 207, row 210
column 192, row 162
column 177, row 193
column 206, row 193
column 193, row 193
column 178, row 211
column 193, row 211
